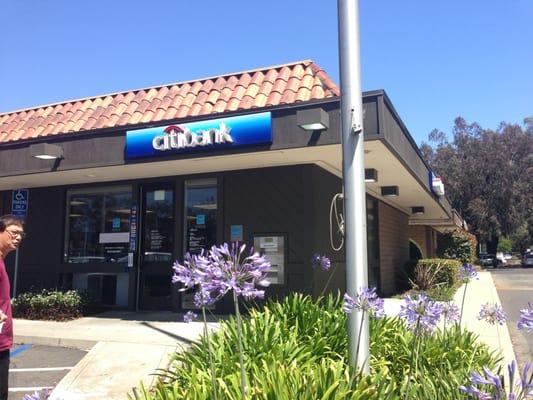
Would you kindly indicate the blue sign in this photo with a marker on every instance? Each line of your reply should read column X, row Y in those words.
column 200, row 219
column 19, row 202
column 236, row 233
column 133, row 228
column 221, row 133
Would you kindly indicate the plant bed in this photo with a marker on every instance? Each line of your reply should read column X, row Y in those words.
column 298, row 349
column 52, row 305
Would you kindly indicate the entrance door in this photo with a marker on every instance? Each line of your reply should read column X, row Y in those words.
column 157, row 245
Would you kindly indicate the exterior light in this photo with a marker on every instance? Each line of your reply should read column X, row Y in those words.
column 371, row 175
column 389, row 191
column 46, row 151
column 419, row 210
column 312, row 119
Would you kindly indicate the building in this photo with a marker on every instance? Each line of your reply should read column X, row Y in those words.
column 117, row 187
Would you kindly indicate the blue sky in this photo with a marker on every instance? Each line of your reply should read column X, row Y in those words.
column 436, row 59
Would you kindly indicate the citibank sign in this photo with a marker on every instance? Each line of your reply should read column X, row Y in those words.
column 221, row 133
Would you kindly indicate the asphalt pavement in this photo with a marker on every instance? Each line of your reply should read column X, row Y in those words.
column 35, row 368
column 515, row 289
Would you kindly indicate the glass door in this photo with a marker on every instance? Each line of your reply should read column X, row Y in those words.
column 157, row 244
column 200, row 222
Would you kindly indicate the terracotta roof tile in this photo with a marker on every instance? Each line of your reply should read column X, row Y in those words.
column 159, row 115
column 274, row 98
column 264, row 87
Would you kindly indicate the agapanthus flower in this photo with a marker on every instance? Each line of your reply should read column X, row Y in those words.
column 189, row 317
column 220, row 270
column 421, row 312
column 467, row 272
column 366, row 300
column 320, row 261
column 45, row 394
column 493, row 388
column 492, row 313
column 449, row 312
column 526, row 319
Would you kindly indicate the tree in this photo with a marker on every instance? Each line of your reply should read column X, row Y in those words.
column 487, row 174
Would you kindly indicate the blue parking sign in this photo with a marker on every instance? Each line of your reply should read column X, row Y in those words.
column 19, row 203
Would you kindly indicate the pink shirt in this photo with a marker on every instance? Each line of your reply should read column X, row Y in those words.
column 6, row 334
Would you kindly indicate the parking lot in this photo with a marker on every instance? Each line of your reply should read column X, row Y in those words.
column 35, row 368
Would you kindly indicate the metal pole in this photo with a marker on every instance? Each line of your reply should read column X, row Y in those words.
column 353, row 176
column 16, row 274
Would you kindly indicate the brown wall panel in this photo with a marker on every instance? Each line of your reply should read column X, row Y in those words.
column 394, row 245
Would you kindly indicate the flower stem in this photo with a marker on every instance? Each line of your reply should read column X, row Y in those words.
column 414, row 358
column 359, row 335
column 239, row 339
column 462, row 305
column 328, row 281
column 211, row 363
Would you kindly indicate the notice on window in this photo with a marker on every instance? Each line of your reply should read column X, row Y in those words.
column 197, row 239
column 156, row 240
column 114, row 237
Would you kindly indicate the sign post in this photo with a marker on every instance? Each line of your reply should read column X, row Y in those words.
column 19, row 208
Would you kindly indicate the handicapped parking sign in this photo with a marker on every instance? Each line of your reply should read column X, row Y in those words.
column 19, row 203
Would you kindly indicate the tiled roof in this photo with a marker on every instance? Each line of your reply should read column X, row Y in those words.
column 265, row 87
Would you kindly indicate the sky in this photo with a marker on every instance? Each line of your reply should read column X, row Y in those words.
column 436, row 60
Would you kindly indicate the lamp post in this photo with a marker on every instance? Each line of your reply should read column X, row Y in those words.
column 353, row 177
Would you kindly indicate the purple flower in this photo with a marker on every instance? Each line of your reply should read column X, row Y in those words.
column 467, row 272
column 366, row 300
column 526, row 319
column 320, row 261
column 449, row 312
column 37, row 395
column 220, row 270
column 34, row 396
column 495, row 389
column 421, row 312
column 492, row 313
column 189, row 317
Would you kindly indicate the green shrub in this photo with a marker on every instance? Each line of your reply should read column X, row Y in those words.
column 429, row 273
column 457, row 245
column 297, row 349
column 50, row 305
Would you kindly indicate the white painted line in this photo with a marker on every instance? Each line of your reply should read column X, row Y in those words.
column 40, row 369
column 29, row 389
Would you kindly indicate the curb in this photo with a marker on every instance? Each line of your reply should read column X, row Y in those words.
column 79, row 344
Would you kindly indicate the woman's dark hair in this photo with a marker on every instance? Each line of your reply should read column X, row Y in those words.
column 8, row 220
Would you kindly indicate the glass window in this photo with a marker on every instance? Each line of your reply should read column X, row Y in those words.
column 200, row 222
column 200, row 214
column 372, row 232
column 98, row 225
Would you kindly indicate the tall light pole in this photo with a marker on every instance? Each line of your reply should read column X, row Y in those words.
column 353, row 171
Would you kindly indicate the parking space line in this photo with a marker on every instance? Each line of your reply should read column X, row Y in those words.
column 30, row 389
column 20, row 349
column 44, row 369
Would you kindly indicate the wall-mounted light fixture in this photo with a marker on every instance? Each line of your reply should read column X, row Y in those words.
column 418, row 210
column 371, row 175
column 389, row 191
column 46, row 151
column 312, row 119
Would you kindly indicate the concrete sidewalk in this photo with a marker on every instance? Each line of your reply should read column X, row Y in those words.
column 125, row 348
column 478, row 292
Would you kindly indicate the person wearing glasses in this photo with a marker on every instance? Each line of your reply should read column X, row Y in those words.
column 11, row 234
